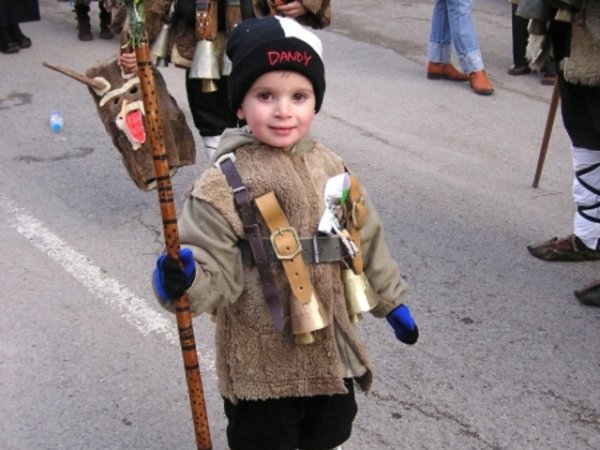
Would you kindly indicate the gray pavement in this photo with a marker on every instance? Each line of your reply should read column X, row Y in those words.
column 507, row 357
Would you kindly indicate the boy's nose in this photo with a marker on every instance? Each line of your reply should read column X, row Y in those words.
column 283, row 107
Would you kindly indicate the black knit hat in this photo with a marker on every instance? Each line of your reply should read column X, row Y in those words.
column 258, row 46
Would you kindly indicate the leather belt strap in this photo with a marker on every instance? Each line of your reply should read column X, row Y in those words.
column 357, row 215
column 286, row 245
column 251, row 228
column 319, row 249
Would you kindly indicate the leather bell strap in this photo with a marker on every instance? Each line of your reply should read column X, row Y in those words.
column 357, row 215
column 253, row 233
column 206, row 19
column 315, row 250
column 286, row 246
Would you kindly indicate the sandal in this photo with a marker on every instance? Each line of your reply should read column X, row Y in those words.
column 519, row 70
column 589, row 295
column 569, row 248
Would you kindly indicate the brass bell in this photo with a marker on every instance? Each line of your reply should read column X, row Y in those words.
column 307, row 318
column 160, row 48
column 360, row 297
column 205, row 64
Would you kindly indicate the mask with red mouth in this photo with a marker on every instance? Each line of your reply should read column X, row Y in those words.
column 121, row 110
column 119, row 102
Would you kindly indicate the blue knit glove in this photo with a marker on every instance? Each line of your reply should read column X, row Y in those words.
column 403, row 324
column 170, row 281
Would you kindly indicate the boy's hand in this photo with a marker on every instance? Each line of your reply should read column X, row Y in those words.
column 403, row 324
column 169, row 279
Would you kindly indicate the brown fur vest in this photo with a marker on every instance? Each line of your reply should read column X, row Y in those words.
column 254, row 361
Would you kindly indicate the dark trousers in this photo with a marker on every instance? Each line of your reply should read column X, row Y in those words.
column 519, row 38
column 321, row 422
column 210, row 110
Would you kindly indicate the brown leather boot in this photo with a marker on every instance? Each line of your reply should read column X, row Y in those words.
column 445, row 71
column 479, row 83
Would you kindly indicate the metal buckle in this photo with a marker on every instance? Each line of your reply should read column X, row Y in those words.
column 316, row 254
column 280, row 232
column 224, row 158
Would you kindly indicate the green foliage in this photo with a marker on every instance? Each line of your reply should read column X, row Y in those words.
column 137, row 18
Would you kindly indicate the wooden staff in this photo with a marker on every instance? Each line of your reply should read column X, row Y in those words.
column 547, row 133
column 169, row 218
column 171, row 234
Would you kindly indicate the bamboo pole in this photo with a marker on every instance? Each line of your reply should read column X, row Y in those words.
column 171, row 235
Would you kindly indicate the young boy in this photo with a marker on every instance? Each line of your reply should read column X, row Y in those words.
column 286, row 385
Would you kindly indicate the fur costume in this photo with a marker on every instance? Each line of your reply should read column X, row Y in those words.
column 254, row 361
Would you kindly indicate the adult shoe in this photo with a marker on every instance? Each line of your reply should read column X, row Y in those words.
column 7, row 43
column 589, row 295
column 569, row 248
column 19, row 37
column 519, row 70
column 480, row 84
column 445, row 71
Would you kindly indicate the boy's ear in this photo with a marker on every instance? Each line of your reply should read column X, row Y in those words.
column 240, row 114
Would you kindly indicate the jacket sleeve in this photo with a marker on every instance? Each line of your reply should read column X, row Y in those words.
column 379, row 267
column 318, row 12
column 219, row 271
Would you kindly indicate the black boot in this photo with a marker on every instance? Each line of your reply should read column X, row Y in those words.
column 7, row 43
column 83, row 22
column 105, row 18
column 19, row 37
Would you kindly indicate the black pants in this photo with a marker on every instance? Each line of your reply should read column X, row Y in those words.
column 210, row 110
column 580, row 105
column 519, row 38
column 307, row 423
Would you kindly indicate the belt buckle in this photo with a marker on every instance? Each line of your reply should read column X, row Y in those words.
column 292, row 253
column 221, row 159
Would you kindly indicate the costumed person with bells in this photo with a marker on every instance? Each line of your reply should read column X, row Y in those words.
column 282, row 246
column 570, row 29
column 197, row 32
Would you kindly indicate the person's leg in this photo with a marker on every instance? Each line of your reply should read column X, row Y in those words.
column 519, row 44
column 466, row 44
column 438, row 50
column 19, row 37
column 439, row 47
column 82, row 13
column 327, row 420
column 105, row 18
column 210, row 111
column 263, row 424
column 586, row 195
column 8, row 44
column 463, row 35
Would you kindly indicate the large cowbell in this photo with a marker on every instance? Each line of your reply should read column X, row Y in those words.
column 121, row 111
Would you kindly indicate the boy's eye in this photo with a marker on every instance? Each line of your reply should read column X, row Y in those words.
column 299, row 96
column 264, row 96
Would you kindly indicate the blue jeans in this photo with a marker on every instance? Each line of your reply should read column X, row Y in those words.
column 451, row 23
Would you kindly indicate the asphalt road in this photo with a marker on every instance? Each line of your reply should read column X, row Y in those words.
column 507, row 357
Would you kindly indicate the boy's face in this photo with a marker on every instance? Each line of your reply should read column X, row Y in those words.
column 279, row 108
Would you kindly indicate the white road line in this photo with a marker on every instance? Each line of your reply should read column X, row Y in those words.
column 133, row 309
